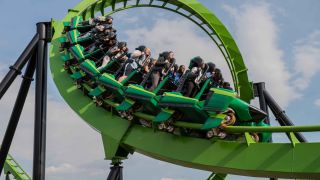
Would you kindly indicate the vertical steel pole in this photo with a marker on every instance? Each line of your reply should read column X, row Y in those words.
column 15, row 70
column 17, row 109
column 262, row 101
column 260, row 87
column 40, row 107
column 44, row 103
column 8, row 176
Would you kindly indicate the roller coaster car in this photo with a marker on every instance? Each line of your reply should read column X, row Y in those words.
column 88, row 73
column 219, row 100
column 76, row 23
column 110, row 89
column 178, row 107
column 77, row 55
column 175, row 106
column 225, row 102
column 75, row 37
column 139, row 99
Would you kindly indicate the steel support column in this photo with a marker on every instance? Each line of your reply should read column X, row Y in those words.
column 281, row 115
column 16, row 112
column 15, row 69
column 40, row 106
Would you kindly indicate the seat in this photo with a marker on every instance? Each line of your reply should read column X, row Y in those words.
column 137, row 94
column 108, row 86
column 74, row 37
column 189, row 108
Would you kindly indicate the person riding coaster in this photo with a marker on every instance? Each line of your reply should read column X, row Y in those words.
column 118, row 52
column 180, row 108
column 89, row 72
column 138, row 99
column 111, row 88
column 78, row 23
column 75, row 37
column 77, row 54
column 175, row 105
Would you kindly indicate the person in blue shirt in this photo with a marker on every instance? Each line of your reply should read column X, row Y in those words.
column 180, row 72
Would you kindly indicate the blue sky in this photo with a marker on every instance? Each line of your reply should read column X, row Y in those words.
column 279, row 40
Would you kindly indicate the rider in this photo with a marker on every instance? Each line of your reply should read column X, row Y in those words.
column 98, row 30
column 103, row 38
column 217, row 78
column 99, row 20
column 226, row 85
column 161, row 68
column 211, row 69
column 118, row 52
column 140, row 57
column 196, row 72
column 179, row 74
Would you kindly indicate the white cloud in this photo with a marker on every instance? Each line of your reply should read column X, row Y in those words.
column 306, row 57
column 257, row 36
column 317, row 102
column 61, row 169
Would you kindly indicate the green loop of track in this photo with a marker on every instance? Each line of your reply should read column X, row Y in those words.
column 231, row 157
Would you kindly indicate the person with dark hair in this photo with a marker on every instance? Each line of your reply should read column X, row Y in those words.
column 173, row 71
column 179, row 73
column 196, row 67
column 99, row 20
column 217, row 78
column 100, row 29
column 104, row 38
column 118, row 52
column 211, row 69
column 226, row 85
column 162, row 67
column 138, row 58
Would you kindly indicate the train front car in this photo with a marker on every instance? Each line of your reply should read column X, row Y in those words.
column 225, row 108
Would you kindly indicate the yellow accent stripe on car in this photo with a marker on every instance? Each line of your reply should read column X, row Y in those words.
column 223, row 92
column 75, row 37
column 220, row 116
column 77, row 20
column 111, row 78
column 140, row 89
column 78, row 48
column 93, row 66
column 181, row 97
column 129, row 101
column 168, row 111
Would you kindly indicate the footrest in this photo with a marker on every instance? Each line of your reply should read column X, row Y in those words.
column 125, row 105
column 213, row 121
column 66, row 57
column 164, row 115
column 97, row 91
column 77, row 75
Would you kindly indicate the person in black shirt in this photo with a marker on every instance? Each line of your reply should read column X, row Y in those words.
column 161, row 68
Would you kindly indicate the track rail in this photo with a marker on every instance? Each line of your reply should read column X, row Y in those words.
column 12, row 167
column 286, row 160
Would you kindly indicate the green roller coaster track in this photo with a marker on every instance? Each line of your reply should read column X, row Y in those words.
column 120, row 137
column 12, row 167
